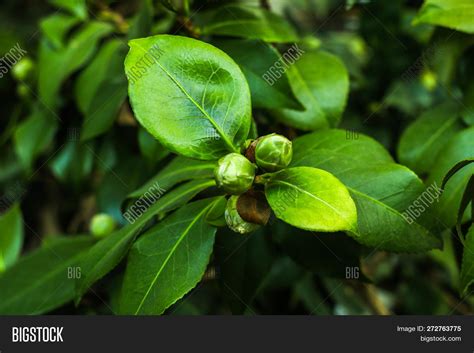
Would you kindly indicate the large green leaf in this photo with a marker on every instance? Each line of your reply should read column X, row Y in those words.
column 455, row 14
column 381, row 189
column 460, row 147
column 256, row 59
column 188, row 94
column 39, row 282
column 56, row 64
column 180, row 169
column 107, row 253
column 423, row 139
column 311, row 199
column 321, row 83
column 250, row 22
column 11, row 237
column 168, row 261
column 467, row 267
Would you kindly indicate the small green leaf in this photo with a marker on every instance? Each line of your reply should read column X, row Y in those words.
column 311, row 199
column 256, row 59
column 141, row 24
column 107, row 253
column 151, row 148
column 467, row 267
column 455, row 14
column 39, row 282
column 189, row 95
column 423, row 139
column 11, row 237
column 252, row 23
column 321, row 83
column 168, row 261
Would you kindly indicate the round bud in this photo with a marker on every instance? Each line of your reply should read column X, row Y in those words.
column 273, row 152
column 23, row 69
column 429, row 80
column 234, row 173
column 233, row 219
column 102, row 225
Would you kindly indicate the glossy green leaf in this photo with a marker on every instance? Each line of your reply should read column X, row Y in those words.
column 460, row 148
column 252, row 23
column 467, row 266
column 424, row 138
column 455, row 14
column 11, row 236
column 107, row 253
column 381, row 189
column 168, row 261
column 178, row 170
column 188, row 94
column 321, row 83
column 311, row 199
column 56, row 64
column 39, row 282
column 256, row 58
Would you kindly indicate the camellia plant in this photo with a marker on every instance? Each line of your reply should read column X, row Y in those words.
column 215, row 157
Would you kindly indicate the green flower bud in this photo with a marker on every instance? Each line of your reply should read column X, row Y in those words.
column 273, row 152
column 102, row 225
column 233, row 219
column 234, row 173
column 23, row 69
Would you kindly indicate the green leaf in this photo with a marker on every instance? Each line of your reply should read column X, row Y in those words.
column 107, row 253
column 467, row 267
column 168, row 261
column 34, row 135
column 311, row 199
column 426, row 137
column 381, row 189
column 256, row 59
column 56, row 64
column 178, row 170
column 321, row 83
column 76, row 7
column 455, row 14
column 56, row 27
column 459, row 148
column 189, row 95
column 73, row 163
column 252, row 23
column 39, row 282
column 11, row 237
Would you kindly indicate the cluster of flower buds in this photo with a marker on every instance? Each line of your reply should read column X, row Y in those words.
column 235, row 174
